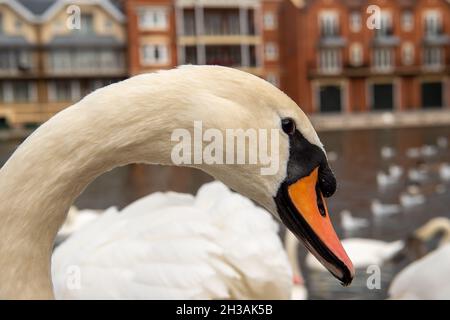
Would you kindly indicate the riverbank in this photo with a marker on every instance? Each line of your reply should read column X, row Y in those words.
column 333, row 122
column 382, row 120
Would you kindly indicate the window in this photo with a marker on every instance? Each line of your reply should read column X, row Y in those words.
column 330, row 99
column 61, row 91
column 383, row 96
column 433, row 57
column 1, row 23
column 329, row 24
column 155, row 54
column 271, row 51
column 153, row 18
column 270, row 21
column 408, row 54
column 433, row 23
column 432, row 95
column 355, row 21
column 87, row 23
column 386, row 26
column 356, row 54
column 273, row 79
column 22, row 91
column 330, row 60
column 407, row 21
column 18, row 25
column 383, row 59
column 15, row 60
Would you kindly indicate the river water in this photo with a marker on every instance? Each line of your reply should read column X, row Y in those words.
column 358, row 161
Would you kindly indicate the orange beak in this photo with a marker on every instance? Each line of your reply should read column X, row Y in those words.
column 306, row 214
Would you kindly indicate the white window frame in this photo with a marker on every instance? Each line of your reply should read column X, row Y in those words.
column 383, row 59
column 356, row 54
column 386, row 23
column 153, row 18
column 270, row 20
column 271, row 51
column 328, row 23
column 148, row 54
column 355, row 21
column 408, row 54
column 435, row 17
column 330, row 61
column 433, row 58
column 408, row 20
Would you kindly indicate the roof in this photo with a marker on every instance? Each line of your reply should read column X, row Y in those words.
column 42, row 10
column 37, row 7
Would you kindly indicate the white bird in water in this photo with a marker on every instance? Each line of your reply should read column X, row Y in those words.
column 393, row 177
column 134, row 121
column 429, row 151
column 207, row 254
column 351, row 223
column 387, row 152
column 444, row 171
column 363, row 252
column 413, row 153
column 380, row 209
column 418, row 174
column 426, row 278
column 442, row 142
column 332, row 156
column 412, row 197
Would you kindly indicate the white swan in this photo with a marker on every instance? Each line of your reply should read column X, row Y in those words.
column 412, row 197
column 351, row 223
column 381, row 209
column 393, row 177
column 442, row 142
column 135, row 121
column 387, row 152
column 207, row 254
column 426, row 278
column 444, row 171
column 75, row 220
column 363, row 252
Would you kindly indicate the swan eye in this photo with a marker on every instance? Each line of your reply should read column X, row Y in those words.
column 288, row 125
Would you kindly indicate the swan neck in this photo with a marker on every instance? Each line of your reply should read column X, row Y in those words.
column 55, row 164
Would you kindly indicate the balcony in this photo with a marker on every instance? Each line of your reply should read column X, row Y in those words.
column 94, row 62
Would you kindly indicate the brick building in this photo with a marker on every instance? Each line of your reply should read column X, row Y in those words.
column 45, row 65
column 333, row 62
column 237, row 33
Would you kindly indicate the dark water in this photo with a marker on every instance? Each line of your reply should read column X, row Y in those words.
column 358, row 162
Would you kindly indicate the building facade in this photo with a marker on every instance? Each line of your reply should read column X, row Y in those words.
column 358, row 56
column 52, row 53
column 242, row 34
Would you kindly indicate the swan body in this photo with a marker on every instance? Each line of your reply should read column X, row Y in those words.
column 76, row 219
column 417, row 175
column 350, row 223
column 442, row 142
column 409, row 200
column 429, row 151
column 387, row 152
column 364, row 252
column 444, row 171
column 380, row 209
column 390, row 178
column 139, row 120
column 413, row 153
column 143, row 254
column 424, row 279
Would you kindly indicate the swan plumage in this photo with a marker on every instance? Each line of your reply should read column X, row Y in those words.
column 350, row 223
column 424, row 279
column 380, row 209
column 176, row 246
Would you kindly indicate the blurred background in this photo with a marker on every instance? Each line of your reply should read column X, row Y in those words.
column 374, row 76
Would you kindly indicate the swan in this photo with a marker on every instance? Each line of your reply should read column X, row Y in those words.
column 413, row 153
column 442, row 142
column 75, row 220
column 363, row 252
column 418, row 174
column 351, row 223
column 444, row 171
column 412, row 197
column 387, row 152
column 429, row 151
column 381, row 209
column 426, row 277
column 134, row 121
column 390, row 178
column 206, row 255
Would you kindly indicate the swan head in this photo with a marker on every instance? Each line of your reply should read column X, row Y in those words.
column 225, row 99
